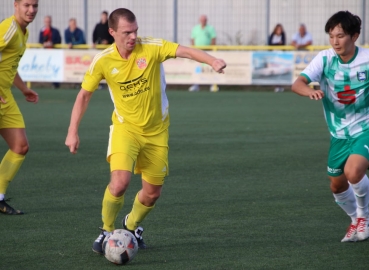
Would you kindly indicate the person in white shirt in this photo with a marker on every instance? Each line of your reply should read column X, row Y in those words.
column 302, row 38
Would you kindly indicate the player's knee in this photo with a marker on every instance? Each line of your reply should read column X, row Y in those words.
column 21, row 149
column 154, row 196
column 119, row 182
column 354, row 173
column 338, row 186
column 117, row 189
column 150, row 198
column 337, row 189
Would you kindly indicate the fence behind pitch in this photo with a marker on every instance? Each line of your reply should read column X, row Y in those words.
column 237, row 22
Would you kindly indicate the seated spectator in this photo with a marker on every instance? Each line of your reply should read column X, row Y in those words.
column 302, row 38
column 73, row 35
column 49, row 36
column 278, row 36
column 101, row 33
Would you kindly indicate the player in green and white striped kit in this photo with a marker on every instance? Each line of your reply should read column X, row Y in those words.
column 343, row 74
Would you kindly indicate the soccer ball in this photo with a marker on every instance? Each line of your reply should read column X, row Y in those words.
column 120, row 246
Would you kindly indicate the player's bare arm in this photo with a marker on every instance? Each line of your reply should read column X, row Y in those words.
column 79, row 108
column 200, row 56
column 31, row 96
column 300, row 87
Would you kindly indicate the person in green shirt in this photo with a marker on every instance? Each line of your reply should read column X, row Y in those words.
column 203, row 34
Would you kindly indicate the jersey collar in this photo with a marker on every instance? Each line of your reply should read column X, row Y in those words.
column 130, row 56
column 352, row 59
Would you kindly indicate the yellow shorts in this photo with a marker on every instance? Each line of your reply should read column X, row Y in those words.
column 148, row 154
column 10, row 116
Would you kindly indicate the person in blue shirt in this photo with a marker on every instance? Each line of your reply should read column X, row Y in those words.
column 74, row 35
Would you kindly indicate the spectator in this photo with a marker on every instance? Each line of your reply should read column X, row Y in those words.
column 73, row 35
column 278, row 36
column 101, row 33
column 203, row 35
column 49, row 36
column 302, row 38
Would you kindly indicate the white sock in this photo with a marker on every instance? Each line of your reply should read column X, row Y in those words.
column 346, row 200
column 2, row 196
column 361, row 190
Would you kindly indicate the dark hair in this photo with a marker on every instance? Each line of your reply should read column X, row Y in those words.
column 275, row 28
column 120, row 13
column 351, row 24
column 105, row 12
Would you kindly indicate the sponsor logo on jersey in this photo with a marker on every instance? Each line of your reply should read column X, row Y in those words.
column 134, row 84
column 141, row 63
column 362, row 76
column 348, row 96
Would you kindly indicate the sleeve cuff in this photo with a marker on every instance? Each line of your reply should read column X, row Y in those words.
column 306, row 76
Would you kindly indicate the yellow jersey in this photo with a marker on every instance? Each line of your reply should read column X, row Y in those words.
column 12, row 47
column 137, row 85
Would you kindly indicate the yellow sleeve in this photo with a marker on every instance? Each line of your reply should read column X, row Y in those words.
column 93, row 76
column 168, row 50
column 7, row 31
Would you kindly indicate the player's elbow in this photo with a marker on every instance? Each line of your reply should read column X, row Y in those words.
column 299, row 83
column 294, row 87
column 84, row 95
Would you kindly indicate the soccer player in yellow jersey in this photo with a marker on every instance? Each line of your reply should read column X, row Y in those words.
column 13, row 38
column 139, row 133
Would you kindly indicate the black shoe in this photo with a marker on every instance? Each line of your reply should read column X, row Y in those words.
column 8, row 210
column 137, row 233
column 97, row 246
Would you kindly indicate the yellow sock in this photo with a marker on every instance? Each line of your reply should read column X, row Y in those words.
column 111, row 206
column 8, row 169
column 138, row 213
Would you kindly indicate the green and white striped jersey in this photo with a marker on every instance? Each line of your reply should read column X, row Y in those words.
column 346, row 91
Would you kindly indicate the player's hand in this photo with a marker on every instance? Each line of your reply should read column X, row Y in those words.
column 2, row 100
column 219, row 65
column 316, row 94
column 72, row 141
column 31, row 96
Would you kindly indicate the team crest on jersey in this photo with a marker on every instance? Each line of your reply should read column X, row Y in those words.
column 141, row 63
column 362, row 76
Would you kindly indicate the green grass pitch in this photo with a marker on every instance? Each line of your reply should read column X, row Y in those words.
column 247, row 188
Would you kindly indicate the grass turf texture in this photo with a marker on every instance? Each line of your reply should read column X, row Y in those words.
column 247, row 188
